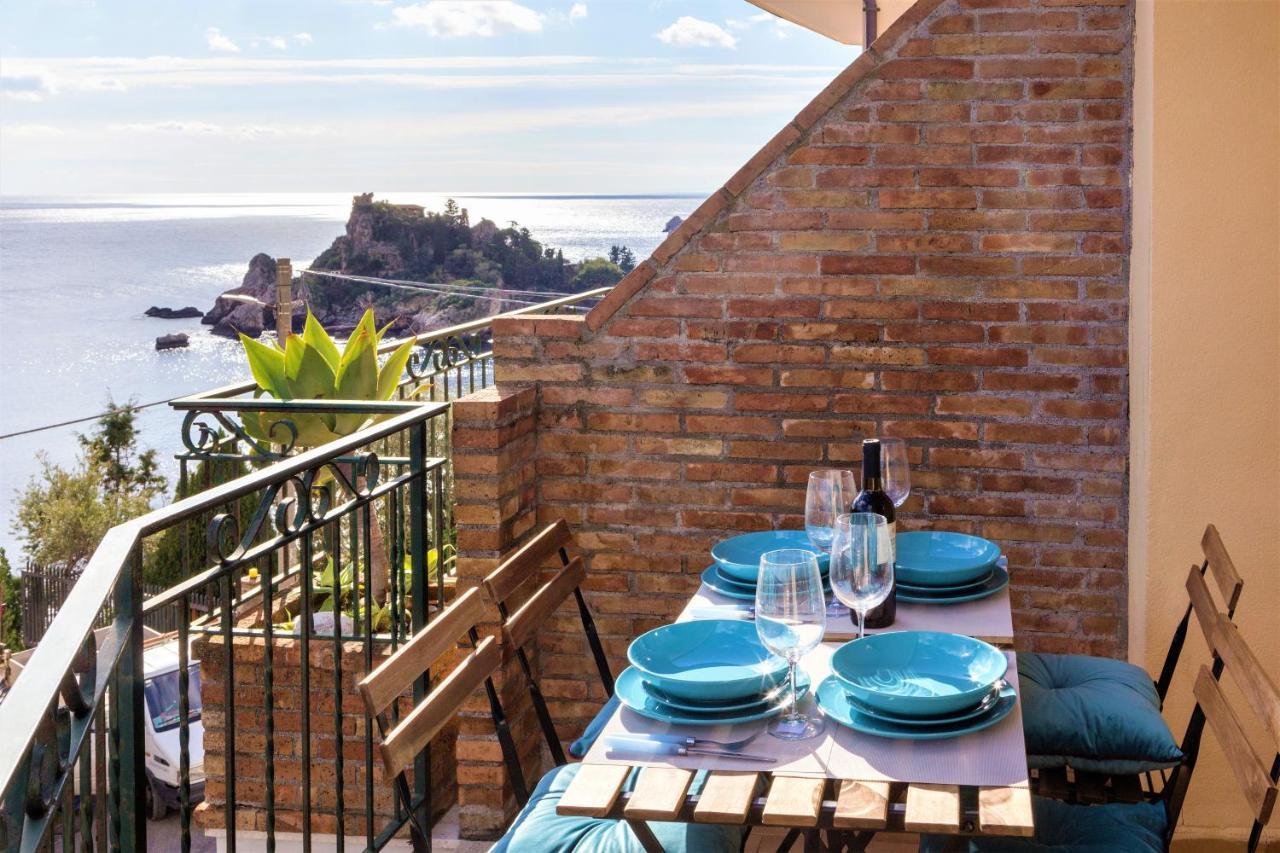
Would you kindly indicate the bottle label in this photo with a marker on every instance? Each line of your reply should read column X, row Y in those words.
column 887, row 542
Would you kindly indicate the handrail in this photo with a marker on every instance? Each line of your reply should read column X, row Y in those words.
column 27, row 703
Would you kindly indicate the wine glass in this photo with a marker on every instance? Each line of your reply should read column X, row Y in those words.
column 791, row 618
column 861, row 563
column 830, row 492
column 896, row 470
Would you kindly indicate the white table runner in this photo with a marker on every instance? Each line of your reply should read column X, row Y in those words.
column 996, row 756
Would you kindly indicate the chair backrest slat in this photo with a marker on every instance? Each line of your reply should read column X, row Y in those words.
column 407, row 739
column 524, row 623
column 1246, row 670
column 1250, row 771
column 1223, row 569
column 524, row 563
column 1207, row 613
column 397, row 673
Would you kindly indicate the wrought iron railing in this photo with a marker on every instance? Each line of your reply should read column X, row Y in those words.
column 356, row 529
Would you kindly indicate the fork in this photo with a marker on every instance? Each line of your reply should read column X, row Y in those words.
column 682, row 740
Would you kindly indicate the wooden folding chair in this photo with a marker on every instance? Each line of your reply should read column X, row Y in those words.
column 520, row 625
column 1218, row 567
column 404, row 742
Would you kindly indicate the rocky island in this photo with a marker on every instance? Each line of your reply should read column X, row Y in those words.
column 476, row 264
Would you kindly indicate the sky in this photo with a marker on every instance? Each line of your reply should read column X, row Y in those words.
column 554, row 96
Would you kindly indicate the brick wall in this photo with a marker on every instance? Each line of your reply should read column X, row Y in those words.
column 494, row 446
column 935, row 248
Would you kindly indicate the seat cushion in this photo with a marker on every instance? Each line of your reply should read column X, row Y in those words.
column 538, row 829
column 580, row 747
column 1064, row 828
column 1097, row 715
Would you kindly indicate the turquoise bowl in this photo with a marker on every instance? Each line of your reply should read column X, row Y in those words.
column 739, row 556
column 918, row 673
column 937, row 558
column 707, row 660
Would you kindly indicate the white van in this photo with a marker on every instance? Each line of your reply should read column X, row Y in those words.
column 163, row 754
column 162, row 748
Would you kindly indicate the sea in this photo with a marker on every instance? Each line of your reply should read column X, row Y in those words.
column 77, row 273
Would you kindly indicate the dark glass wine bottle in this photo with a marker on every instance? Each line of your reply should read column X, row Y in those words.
column 873, row 499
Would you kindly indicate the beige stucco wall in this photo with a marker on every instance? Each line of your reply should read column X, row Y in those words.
column 1205, row 339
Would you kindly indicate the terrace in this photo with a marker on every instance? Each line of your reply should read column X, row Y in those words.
column 1036, row 240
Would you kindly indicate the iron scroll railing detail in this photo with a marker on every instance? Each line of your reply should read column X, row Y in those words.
column 71, row 758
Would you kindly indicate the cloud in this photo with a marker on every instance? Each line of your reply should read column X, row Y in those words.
column 461, row 18
column 32, row 130
column 37, row 78
column 303, row 38
column 578, row 11
column 781, row 26
column 689, row 31
column 217, row 41
column 31, row 87
column 198, row 129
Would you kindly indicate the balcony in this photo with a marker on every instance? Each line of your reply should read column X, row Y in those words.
column 985, row 237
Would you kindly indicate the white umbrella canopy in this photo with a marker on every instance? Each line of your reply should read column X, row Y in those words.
column 842, row 20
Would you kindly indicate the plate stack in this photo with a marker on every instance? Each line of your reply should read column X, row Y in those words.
column 737, row 561
column 917, row 685
column 709, row 672
column 934, row 567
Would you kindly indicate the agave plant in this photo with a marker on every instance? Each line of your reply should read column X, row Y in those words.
column 310, row 367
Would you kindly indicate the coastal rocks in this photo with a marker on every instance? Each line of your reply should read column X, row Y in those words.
column 241, row 309
column 672, row 224
column 173, row 313
column 177, row 340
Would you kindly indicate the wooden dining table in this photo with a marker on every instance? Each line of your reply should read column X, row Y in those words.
column 830, row 809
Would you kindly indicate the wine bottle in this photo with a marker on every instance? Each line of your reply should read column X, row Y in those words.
column 872, row 498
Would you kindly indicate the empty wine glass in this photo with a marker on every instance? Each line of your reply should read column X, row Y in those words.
column 791, row 618
column 861, row 563
column 896, row 470
column 830, row 492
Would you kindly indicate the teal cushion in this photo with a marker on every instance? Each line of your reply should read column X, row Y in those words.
column 1136, row 828
column 538, row 829
column 580, row 747
column 1097, row 715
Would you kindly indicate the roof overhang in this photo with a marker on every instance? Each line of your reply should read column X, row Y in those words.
column 842, row 20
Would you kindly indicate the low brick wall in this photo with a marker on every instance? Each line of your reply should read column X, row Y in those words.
column 252, row 751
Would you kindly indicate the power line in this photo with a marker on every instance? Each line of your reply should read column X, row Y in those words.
column 396, row 283
column 74, row 421
column 473, row 290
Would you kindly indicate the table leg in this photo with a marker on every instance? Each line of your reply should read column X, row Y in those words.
column 645, row 836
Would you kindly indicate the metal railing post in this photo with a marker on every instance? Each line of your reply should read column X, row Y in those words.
column 131, row 705
column 418, row 562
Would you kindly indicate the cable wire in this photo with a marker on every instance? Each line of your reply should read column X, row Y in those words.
column 74, row 421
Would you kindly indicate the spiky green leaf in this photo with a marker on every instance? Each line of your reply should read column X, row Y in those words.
column 266, row 363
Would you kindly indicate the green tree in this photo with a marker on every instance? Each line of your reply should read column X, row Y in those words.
column 596, row 272
column 10, row 606
column 622, row 257
column 63, row 513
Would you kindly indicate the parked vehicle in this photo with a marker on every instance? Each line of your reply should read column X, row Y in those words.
column 163, row 752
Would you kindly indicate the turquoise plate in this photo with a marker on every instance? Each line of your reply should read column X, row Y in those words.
column 918, row 673
column 630, row 690
column 945, row 720
column 834, row 702
column 739, row 556
column 938, row 558
column 950, row 589
column 999, row 580
column 777, row 694
column 707, row 660
column 717, row 582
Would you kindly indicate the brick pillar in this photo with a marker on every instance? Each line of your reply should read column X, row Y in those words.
column 495, row 506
